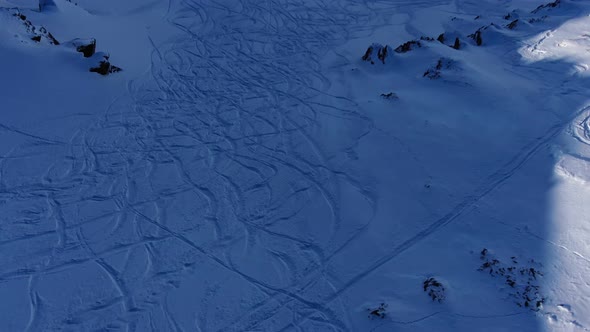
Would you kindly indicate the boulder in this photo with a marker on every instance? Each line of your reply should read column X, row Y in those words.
column 104, row 67
column 85, row 46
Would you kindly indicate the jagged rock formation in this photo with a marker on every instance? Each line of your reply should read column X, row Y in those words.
column 376, row 52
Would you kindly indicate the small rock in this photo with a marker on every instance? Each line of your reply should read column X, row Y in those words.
column 378, row 312
column 389, row 95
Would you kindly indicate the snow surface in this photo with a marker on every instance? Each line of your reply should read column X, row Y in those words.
column 248, row 171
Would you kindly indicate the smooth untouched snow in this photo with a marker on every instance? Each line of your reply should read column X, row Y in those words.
column 248, row 171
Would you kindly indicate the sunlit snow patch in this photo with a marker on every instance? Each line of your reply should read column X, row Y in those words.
column 569, row 42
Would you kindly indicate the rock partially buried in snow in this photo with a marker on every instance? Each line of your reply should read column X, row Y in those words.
column 523, row 279
column 435, row 72
column 390, row 95
column 378, row 311
column 434, row 289
column 443, row 37
column 85, row 46
column 104, row 67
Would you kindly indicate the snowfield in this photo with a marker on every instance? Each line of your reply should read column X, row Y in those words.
column 295, row 165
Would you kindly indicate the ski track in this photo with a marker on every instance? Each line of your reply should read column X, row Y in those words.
column 229, row 122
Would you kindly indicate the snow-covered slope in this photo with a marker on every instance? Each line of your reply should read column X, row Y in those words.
column 255, row 167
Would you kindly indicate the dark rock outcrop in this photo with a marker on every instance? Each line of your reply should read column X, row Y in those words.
column 376, row 52
column 457, row 44
column 49, row 36
column 408, row 46
column 36, row 33
column 476, row 36
column 553, row 4
column 512, row 24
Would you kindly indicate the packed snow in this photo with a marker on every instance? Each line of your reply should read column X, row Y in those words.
column 283, row 165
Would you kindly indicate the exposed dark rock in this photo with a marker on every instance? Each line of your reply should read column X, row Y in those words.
column 477, row 17
column 443, row 37
column 478, row 39
column 408, row 46
column 523, row 279
column 483, row 253
column 389, row 95
column 49, row 36
column 378, row 312
column 37, row 33
column 553, row 4
column 381, row 52
column 476, row 36
column 513, row 15
column 368, row 54
column 512, row 24
column 457, row 44
column 435, row 72
column 434, row 289
column 105, row 67
column 86, row 47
